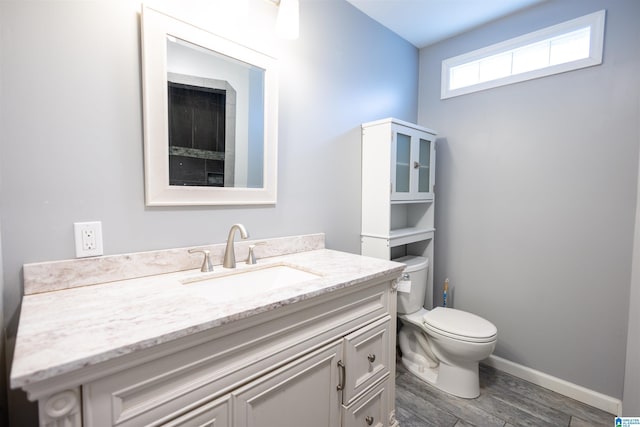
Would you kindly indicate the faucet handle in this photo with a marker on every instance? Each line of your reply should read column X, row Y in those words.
column 251, row 257
column 206, row 262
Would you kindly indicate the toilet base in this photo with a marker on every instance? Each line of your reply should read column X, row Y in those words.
column 449, row 364
column 461, row 381
column 426, row 374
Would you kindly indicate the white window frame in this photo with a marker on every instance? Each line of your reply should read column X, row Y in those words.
column 595, row 21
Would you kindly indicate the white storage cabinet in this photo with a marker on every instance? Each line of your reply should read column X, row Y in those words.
column 398, row 191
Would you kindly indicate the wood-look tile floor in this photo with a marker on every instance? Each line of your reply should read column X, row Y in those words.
column 504, row 401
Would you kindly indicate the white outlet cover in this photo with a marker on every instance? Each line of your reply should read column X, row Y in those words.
column 79, row 229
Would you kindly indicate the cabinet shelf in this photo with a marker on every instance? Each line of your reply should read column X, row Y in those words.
column 424, row 198
column 404, row 236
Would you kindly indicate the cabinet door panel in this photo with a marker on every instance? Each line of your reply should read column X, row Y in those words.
column 412, row 171
column 302, row 393
column 424, row 166
column 367, row 357
column 402, row 183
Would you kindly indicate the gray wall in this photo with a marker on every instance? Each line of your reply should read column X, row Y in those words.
column 536, row 188
column 71, row 132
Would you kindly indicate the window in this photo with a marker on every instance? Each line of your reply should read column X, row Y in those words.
column 564, row 47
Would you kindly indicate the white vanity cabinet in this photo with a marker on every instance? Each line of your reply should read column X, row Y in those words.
column 326, row 361
column 323, row 387
column 398, row 190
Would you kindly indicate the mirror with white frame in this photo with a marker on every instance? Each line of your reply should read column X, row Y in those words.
column 210, row 117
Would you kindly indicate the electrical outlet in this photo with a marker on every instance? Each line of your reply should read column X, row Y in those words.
column 88, row 238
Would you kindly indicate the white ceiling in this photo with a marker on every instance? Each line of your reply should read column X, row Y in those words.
column 424, row 22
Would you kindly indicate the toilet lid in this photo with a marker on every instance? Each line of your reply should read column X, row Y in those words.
column 458, row 323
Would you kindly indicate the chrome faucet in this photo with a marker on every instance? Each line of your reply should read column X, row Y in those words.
column 229, row 253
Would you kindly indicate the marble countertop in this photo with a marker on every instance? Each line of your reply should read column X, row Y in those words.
column 65, row 330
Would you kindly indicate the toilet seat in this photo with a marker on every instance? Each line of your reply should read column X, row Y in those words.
column 459, row 325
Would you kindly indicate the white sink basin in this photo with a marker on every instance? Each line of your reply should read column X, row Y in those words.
column 240, row 283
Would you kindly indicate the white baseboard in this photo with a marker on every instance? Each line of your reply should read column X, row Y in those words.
column 574, row 391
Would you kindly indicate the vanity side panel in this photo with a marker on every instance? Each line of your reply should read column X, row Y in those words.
column 376, row 183
column 391, row 387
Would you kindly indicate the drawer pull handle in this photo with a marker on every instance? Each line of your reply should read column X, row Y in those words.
column 340, row 375
column 369, row 420
column 372, row 358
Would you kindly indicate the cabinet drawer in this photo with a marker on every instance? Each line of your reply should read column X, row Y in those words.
column 213, row 414
column 366, row 358
column 368, row 410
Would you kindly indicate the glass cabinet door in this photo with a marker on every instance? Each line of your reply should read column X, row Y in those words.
column 403, row 161
column 424, row 171
column 411, row 163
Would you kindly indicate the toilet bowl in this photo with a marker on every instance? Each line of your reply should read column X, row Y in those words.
column 442, row 346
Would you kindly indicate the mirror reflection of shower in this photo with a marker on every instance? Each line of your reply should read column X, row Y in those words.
column 215, row 118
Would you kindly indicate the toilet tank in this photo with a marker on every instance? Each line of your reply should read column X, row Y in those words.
column 411, row 297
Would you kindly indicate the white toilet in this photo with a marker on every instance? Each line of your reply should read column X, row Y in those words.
column 441, row 346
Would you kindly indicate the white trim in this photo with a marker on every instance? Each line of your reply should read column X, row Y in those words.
column 399, row 122
column 595, row 21
column 574, row 391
